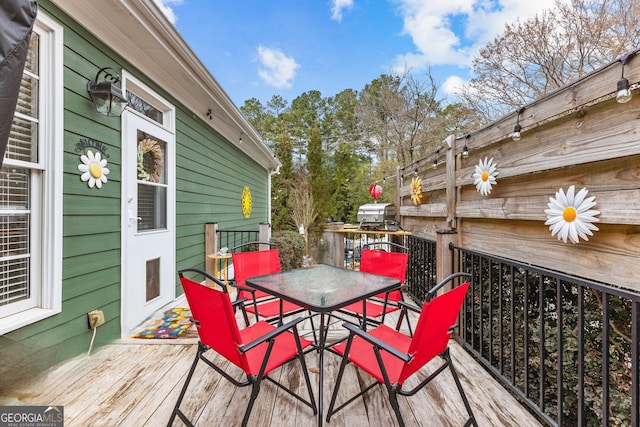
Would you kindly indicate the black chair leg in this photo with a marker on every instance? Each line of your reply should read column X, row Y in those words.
column 176, row 409
column 255, row 390
column 334, row 395
column 393, row 399
column 454, row 373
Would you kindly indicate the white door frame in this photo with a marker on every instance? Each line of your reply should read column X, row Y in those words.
column 139, row 247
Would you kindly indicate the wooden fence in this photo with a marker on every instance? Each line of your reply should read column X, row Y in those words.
column 578, row 135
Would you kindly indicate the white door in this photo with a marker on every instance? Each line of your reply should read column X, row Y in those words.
column 148, row 218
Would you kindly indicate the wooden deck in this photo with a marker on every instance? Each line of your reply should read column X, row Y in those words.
column 136, row 383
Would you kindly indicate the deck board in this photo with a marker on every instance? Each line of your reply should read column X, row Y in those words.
column 137, row 382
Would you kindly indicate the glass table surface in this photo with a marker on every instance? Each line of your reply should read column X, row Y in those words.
column 323, row 288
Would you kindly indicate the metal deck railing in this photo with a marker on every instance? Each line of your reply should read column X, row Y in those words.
column 567, row 347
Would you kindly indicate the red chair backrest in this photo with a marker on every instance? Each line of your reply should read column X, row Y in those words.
column 389, row 264
column 432, row 333
column 216, row 322
column 254, row 263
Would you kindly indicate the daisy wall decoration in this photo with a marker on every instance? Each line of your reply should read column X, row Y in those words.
column 93, row 168
column 485, row 176
column 570, row 215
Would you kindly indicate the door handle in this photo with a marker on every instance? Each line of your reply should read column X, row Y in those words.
column 132, row 219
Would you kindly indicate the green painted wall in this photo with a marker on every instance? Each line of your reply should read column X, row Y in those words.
column 210, row 175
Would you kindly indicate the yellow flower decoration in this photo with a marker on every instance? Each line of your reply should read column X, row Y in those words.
column 416, row 191
column 93, row 169
column 246, row 202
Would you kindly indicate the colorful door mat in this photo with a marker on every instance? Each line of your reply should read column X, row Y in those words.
column 170, row 325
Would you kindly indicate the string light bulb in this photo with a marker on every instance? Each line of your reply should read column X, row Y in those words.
column 517, row 129
column 465, row 150
column 623, row 93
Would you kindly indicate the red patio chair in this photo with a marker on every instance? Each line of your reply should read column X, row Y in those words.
column 383, row 263
column 258, row 263
column 391, row 357
column 257, row 349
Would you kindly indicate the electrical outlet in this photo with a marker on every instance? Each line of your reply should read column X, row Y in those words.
column 95, row 318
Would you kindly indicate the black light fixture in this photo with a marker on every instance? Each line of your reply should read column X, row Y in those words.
column 240, row 139
column 517, row 129
column 209, row 114
column 106, row 96
column 435, row 160
column 623, row 92
column 465, row 150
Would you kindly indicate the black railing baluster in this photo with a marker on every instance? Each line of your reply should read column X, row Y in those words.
column 635, row 356
column 581, row 325
column 526, row 334
column 560, row 362
column 605, row 359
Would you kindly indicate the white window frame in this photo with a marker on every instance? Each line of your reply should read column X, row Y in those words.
column 46, row 234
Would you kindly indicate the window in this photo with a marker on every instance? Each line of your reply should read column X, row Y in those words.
column 30, row 185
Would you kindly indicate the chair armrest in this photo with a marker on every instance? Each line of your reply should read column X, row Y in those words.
column 274, row 333
column 403, row 304
column 238, row 302
column 205, row 274
column 446, row 280
column 378, row 343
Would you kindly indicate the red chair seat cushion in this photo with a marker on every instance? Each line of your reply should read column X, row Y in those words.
column 362, row 355
column 249, row 295
column 284, row 347
column 271, row 308
column 374, row 309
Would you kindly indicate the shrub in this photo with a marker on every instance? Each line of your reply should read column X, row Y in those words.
column 290, row 247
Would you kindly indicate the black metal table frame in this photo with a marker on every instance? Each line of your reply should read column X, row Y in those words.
column 315, row 299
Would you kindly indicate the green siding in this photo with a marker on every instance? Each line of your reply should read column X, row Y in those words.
column 210, row 175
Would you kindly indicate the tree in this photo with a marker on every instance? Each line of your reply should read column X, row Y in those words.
column 530, row 59
column 281, row 186
column 317, row 177
column 396, row 112
column 303, row 212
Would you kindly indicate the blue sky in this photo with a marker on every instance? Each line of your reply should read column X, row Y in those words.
column 260, row 48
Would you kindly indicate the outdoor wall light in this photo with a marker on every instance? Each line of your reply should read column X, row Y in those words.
column 624, row 93
column 465, row 150
column 517, row 129
column 240, row 139
column 106, row 96
column 209, row 114
column 435, row 160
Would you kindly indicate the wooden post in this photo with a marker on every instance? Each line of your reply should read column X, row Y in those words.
column 451, row 181
column 335, row 244
column 264, row 234
column 444, row 263
column 210, row 246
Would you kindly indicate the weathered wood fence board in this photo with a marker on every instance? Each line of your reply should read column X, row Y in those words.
column 578, row 135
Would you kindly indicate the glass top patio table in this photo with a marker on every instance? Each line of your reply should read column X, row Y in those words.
column 323, row 288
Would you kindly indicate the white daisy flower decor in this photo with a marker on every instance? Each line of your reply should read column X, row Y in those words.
column 485, row 176
column 93, row 169
column 571, row 216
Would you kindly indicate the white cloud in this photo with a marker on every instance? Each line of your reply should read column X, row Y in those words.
column 451, row 32
column 337, row 6
column 452, row 85
column 165, row 6
column 278, row 70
